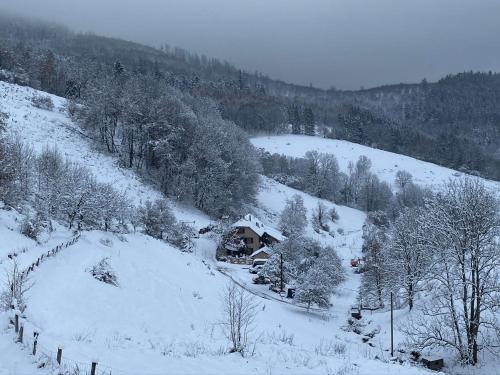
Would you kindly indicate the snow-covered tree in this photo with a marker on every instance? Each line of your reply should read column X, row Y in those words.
column 322, row 177
column 408, row 258
column 463, row 304
column 374, row 195
column 313, row 269
column 403, row 178
column 277, row 269
column 293, row 219
column 231, row 240
column 320, row 217
column 6, row 171
column 313, row 288
column 374, row 279
column 156, row 218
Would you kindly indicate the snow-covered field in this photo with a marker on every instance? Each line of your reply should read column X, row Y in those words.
column 164, row 315
column 384, row 164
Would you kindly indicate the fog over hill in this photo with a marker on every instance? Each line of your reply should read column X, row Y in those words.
column 344, row 43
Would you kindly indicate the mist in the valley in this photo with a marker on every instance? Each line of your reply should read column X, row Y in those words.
column 344, row 43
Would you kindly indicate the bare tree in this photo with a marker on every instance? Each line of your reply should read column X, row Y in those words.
column 403, row 178
column 409, row 259
column 319, row 218
column 240, row 312
column 16, row 285
column 462, row 228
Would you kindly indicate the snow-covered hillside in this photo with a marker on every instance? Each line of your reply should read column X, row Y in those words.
column 41, row 128
column 164, row 315
column 384, row 164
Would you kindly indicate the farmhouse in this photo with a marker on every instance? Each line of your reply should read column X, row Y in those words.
column 254, row 235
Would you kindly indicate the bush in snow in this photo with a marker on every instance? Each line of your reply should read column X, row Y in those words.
column 30, row 228
column 103, row 271
column 42, row 102
column 334, row 216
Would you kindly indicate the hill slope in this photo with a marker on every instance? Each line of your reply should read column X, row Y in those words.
column 164, row 315
column 384, row 164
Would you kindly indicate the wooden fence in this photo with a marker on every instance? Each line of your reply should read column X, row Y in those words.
column 51, row 253
column 45, row 357
column 55, row 360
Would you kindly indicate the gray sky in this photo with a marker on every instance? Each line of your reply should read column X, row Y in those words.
column 345, row 43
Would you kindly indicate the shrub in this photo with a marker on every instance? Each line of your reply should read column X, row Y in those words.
column 102, row 271
column 30, row 228
column 42, row 102
column 334, row 214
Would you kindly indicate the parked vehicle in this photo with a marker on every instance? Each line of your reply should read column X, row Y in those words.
column 257, row 265
column 261, row 280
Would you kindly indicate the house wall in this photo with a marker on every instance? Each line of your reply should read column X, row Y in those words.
column 252, row 239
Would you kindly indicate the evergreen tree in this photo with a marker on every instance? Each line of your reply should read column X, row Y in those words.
column 48, row 73
column 296, row 120
column 309, row 123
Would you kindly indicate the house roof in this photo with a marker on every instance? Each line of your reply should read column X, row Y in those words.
column 264, row 249
column 250, row 221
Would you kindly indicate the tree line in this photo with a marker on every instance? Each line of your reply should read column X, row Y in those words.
column 45, row 188
column 319, row 175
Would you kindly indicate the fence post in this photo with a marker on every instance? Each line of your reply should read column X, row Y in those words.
column 59, row 355
column 92, row 369
column 16, row 323
column 35, row 342
column 20, row 337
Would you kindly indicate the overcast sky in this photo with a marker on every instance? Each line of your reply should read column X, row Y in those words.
column 345, row 43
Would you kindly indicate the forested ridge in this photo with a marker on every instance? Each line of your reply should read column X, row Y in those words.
column 453, row 122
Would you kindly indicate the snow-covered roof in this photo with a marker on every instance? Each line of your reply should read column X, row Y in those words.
column 250, row 221
column 264, row 249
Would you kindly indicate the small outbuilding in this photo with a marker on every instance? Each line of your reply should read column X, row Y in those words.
column 262, row 253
